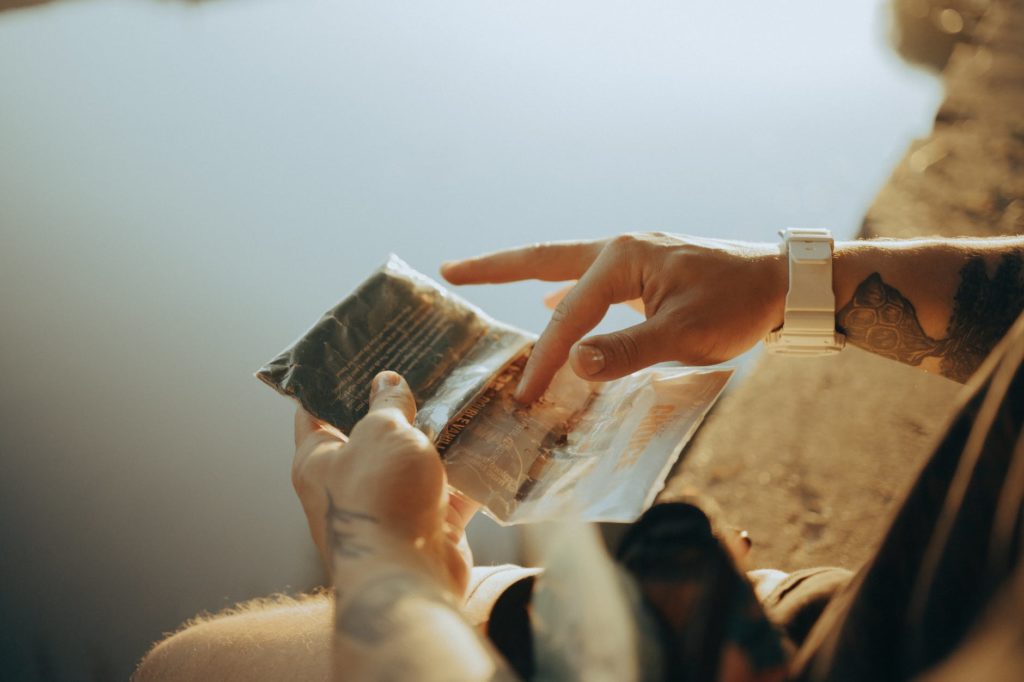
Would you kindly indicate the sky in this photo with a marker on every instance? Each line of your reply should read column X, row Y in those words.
column 184, row 188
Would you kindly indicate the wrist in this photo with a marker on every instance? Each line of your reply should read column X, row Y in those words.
column 357, row 556
column 769, row 282
column 776, row 281
column 853, row 262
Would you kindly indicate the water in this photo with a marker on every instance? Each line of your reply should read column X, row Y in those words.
column 185, row 187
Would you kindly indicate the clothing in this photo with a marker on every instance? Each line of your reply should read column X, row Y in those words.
column 952, row 546
column 799, row 599
column 487, row 584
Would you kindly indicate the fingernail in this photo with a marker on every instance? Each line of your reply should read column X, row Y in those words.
column 591, row 359
column 517, row 395
column 385, row 379
column 520, row 391
column 389, row 378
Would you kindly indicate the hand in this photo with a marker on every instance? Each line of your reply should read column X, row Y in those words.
column 706, row 301
column 382, row 491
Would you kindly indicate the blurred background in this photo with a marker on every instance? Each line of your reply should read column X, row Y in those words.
column 185, row 187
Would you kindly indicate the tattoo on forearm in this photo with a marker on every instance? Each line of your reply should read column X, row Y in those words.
column 983, row 311
column 342, row 527
column 369, row 615
column 880, row 319
column 404, row 643
column 392, row 613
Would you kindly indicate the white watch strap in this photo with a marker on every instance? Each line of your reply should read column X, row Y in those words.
column 809, row 323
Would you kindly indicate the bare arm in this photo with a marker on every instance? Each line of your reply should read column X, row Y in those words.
column 393, row 541
column 940, row 304
column 393, row 618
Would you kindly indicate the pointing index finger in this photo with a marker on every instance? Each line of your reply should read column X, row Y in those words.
column 552, row 262
column 582, row 308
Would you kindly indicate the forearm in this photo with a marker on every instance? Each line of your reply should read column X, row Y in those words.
column 395, row 623
column 941, row 304
column 394, row 619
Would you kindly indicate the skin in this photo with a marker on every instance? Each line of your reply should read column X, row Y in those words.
column 396, row 552
column 941, row 305
column 340, row 484
column 707, row 300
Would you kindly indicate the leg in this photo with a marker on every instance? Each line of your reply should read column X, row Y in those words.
column 274, row 638
column 280, row 637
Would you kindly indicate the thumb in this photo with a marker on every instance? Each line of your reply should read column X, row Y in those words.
column 610, row 356
column 389, row 391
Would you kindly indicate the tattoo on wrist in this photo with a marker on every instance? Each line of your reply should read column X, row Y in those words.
column 880, row 319
column 394, row 616
column 342, row 531
column 369, row 615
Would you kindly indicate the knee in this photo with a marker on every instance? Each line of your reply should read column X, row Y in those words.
column 275, row 638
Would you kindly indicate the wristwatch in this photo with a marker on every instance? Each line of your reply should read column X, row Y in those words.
column 809, row 324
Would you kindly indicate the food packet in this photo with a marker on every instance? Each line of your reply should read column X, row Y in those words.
column 583, row 451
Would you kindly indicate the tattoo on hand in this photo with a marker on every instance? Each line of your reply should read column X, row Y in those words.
column 342, row 526
column 368, row 615
column 880, row 319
